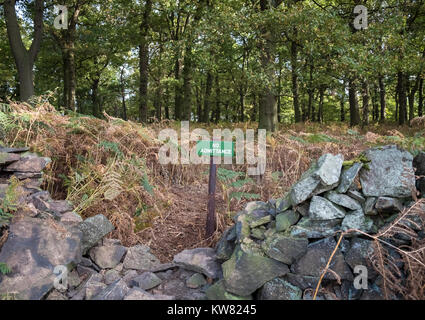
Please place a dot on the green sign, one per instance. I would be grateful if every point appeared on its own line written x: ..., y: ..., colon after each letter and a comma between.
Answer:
x: 215, y: 148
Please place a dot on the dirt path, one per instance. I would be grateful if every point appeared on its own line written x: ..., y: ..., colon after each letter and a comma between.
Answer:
x: 184, y: 228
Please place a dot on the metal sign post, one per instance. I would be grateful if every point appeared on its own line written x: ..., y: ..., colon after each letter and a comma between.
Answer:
x: 213, y: 149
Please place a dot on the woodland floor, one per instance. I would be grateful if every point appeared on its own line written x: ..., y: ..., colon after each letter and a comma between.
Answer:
x: 182, y: 226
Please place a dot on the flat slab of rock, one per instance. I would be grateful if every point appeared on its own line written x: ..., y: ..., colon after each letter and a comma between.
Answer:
x: 146, y: 281
x: 316, y: 258
x: 348, y: 176
x: 388, y: 205
x: 139, y: 257
x: 32, y: 251
x: 323, y: 209
x: 14, y: 150
x: 390, y: 173
x: 218, y: 292
x: 245, y: 272
x: 201, y: 260
x: 115, y: 291
x: 7, y: 158
x: 139, y: 294
x: 285, y: 248
x: 29, y: 163
x: 94, y: 229
x: 107, y: 256
x: 196, y: 281
x: 343, y: 200
x: 286, y: 219
x: 279, y: 289
x: 360, y: 253
x: 315, y: 229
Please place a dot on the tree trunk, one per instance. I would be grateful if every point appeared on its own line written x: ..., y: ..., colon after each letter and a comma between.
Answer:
x: 310, y: 91
x: 267, y: 100
x: 342, y: 105
x: 421, y: 99
x: 24, y: 59
x: 187, y: 84
x: 354, y: 108
x: 144, y: 62
x: 124, y: 107
x: 217, y: 113
x: 402, y: 99
x: 365, y: 103
x: 207, y: 98
x: 294, y: 77
x: 320, y: 111
x: 382, y: 96
x: 375, y: 103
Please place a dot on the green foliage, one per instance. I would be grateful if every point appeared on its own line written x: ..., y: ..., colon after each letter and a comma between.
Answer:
x: 226, y: 175
x: 244, y: 195
x: 315, y: 138
x: 112, y: 147
x: 4, y: 269
x: 10, y: 201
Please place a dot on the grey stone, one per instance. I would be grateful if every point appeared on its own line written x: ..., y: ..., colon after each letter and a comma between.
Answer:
x: 356, y: 220
x: 279, y: 289
x: 111, y: 276
x: 178, y: 289
x: 419, y: 165
x: 93, y: 289
x: 343, y: 200
x: 316, y: 258
x: 323, y: 209
x: 391, y: 173
x: 348, y: 176
x: 28, y: 163
x: 94, y: 229
x: 369, y: 206
x: 282, y: 204
x: 115, y: 291
x: 257, y: 233
x: 109, y: 256
x: 388, y: 205
x: 242, y: 228
x: 304, y: 188
x: 303, y: 208
x: 359, y: 254
x: 286, y: 219
x: 163, y: 267
x: 329, y: 169
x: 14, y: 150
x: 261, y: 221
x: 202, y: 260
x: 302, y: 282
x: 285, y: 248
x: 356, y: 195
x: 146, y: 281
x: 56, y: 295
x: 196, y: 281
x: 71, y: 218
x: 7, y: 158
x: 218, y: 292
x: 139, y: 257
x: 247, y: 271
x: 74, y: 279
x: 129, y: 275
x: 32, y: 251
x: 314, y: 229
x: 224, y: 247
x: 139, y: 294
